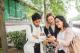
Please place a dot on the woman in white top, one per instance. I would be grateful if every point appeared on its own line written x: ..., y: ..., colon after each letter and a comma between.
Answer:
x: 64, y: 37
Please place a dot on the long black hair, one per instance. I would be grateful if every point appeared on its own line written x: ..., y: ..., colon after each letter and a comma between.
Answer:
x: 65, y: 24
x: 56, y: 31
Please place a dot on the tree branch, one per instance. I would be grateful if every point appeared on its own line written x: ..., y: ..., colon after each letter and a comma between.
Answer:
x: 31, y: 6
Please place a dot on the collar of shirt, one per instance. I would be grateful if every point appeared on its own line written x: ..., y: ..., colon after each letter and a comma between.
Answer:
x: 36, y: 30
x: 53, y: 27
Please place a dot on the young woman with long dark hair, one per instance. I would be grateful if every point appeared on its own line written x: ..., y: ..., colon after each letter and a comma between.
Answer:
x: 64, y: 37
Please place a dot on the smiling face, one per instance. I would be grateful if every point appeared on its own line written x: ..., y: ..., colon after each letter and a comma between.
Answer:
x: 59, y: 23
x: 50, y: 19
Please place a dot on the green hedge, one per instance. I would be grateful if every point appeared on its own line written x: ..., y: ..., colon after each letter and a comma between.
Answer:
x: 18, y: 38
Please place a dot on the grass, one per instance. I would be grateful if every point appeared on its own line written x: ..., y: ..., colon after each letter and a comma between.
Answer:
x: 1, y: 51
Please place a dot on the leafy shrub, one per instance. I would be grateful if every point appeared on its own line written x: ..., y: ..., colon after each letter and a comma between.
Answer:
x: 18, y: 38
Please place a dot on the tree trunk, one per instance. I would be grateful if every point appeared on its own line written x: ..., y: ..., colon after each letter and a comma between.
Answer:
x: 2, y: 28
x: 45, y: 10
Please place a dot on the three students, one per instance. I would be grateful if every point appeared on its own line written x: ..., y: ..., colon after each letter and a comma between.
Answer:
x: 58, y: 35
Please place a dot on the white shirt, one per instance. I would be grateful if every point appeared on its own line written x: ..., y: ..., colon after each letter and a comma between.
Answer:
x: 60, y: 37
x: 36, y: 32
x: 29, y: 46
x: 53, y: 27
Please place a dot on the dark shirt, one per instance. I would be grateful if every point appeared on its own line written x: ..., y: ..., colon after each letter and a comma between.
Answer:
x: 53, y: 33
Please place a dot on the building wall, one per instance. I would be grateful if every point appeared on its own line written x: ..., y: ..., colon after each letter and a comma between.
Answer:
x: 14, y: 10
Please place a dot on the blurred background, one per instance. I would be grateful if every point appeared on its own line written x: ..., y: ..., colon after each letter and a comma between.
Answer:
x: 17, y: 15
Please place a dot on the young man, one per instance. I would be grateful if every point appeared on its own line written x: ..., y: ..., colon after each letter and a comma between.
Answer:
x: 34, y: 33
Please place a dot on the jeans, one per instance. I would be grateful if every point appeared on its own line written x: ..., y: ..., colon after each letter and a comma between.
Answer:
x: 37, y: 48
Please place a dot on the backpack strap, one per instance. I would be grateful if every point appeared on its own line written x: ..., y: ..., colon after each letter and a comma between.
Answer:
x: 41, y: 28
x: 31, y: 28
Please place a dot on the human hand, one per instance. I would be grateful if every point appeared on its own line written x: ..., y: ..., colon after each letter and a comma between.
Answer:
x: 49, y: 35
x: 51, y: 39
x: 45, y: 42
x: 35, y: 37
